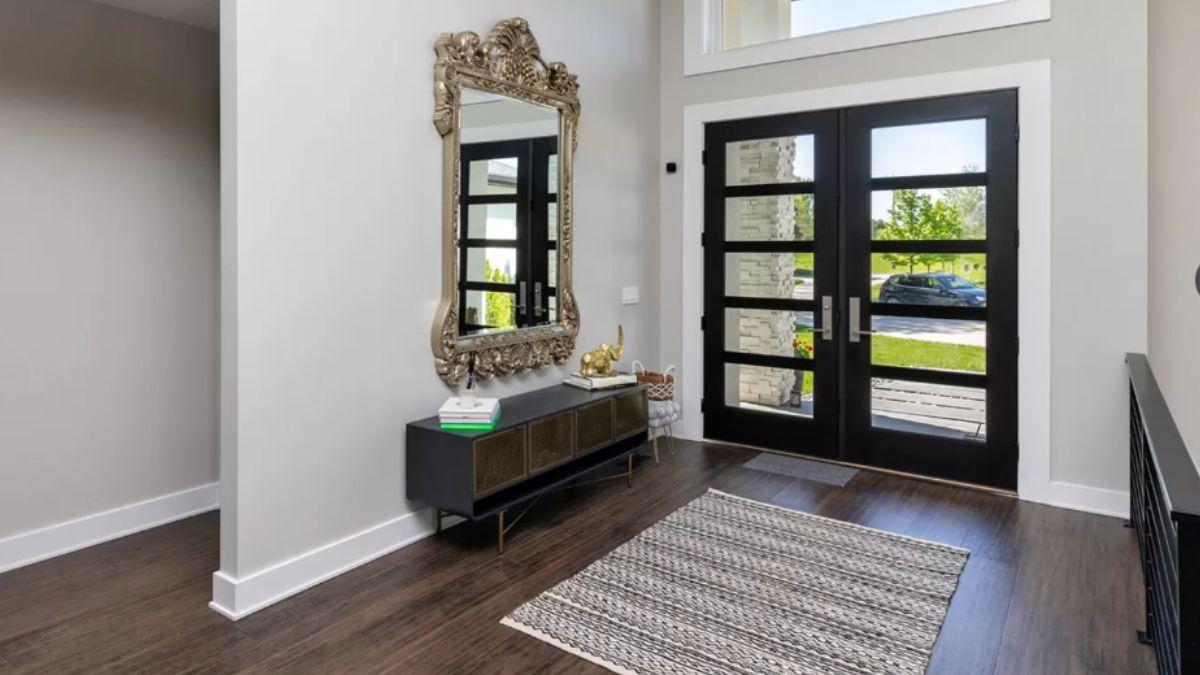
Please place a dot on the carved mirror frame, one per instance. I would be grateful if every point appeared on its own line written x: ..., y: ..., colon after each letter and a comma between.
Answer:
x: 508, y: 63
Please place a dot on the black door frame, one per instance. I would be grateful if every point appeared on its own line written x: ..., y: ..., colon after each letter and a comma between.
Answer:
x: 991, y: 462
x: 841, y: 427
x: 819, y: 433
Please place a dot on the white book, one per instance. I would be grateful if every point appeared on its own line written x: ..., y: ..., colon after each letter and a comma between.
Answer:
x: 484, y: 407
x: 469, y: 419
x: 607, y: 382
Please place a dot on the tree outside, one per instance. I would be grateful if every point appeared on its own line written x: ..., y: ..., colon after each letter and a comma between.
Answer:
x: 498, y: 306
x: 917, y: 216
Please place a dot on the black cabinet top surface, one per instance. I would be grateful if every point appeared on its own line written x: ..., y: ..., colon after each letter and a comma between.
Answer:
x: 524, y: 408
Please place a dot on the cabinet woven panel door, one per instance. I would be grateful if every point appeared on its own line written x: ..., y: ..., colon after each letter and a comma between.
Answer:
x: 629, y: 413
x: 551, y: 441
x: 593, y: 426
x: 499, y: 459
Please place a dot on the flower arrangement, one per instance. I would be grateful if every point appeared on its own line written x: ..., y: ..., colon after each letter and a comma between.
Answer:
x: 802, y: 349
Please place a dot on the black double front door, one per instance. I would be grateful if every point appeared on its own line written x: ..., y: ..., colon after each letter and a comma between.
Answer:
x: 861, y: 285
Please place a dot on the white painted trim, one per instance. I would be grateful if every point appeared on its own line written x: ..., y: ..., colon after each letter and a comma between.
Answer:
x: 1100, y: 501
x: 1032, y: 79
x: 237, y: 598
x: 41, y: 544
x: 702, y: 53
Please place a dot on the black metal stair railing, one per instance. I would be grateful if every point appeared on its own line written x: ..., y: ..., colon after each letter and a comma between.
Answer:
x: 1165, y: 512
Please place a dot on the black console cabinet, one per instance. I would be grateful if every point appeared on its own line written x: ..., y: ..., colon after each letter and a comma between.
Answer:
x: 543, y: 440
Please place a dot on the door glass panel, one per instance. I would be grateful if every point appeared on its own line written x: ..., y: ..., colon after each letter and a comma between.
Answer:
x: 787, y: 276
x: 774, y: 390
x: 493, y: 177
x: 552, y: 220
x: 552, y: 174
x: 492, y: 309
x: 493, y: 265
x: 927, y: 149
x: 769, y: 332
x: 935, y: 279
x: 766, y: 161
x: 772, y: 218
x: 492, y: 221
x: 923, y: 342
x: 552, y: 268
x: 935, y: 409
x: 929, y: 215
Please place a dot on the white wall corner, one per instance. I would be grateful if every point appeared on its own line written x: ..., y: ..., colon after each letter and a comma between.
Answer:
x: 55, y: 540
x: 236, y: 598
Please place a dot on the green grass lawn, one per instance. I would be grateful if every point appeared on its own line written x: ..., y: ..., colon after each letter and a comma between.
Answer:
x: 887, y: 350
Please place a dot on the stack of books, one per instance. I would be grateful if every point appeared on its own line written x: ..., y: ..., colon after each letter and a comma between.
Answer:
x: 599, y: 383
x: 480, y: 414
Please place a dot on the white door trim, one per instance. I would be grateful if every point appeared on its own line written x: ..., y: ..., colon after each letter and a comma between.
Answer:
x: 1032, y: 80
x: 702, y: 34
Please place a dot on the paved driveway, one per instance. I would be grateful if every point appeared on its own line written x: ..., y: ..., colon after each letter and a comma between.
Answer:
x: 973, y: 333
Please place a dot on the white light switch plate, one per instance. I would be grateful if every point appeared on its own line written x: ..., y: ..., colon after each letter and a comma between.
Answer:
x: 629, y: 295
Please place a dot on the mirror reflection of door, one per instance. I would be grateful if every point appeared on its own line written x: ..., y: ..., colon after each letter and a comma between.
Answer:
x: 508, y: 227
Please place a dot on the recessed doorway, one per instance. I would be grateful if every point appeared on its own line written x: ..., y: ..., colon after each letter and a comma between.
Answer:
x: 861, y: 285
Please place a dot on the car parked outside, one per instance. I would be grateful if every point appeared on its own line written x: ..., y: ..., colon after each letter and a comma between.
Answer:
x: 931, y: 289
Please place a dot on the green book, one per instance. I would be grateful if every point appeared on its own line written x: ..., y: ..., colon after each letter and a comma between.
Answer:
x: 462, y: 426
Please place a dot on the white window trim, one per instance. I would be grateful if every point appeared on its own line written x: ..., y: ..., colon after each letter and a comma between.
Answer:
x: 702, y: 32
x: 1032, y: 80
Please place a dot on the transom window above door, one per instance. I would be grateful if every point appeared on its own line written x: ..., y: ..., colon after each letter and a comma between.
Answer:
x: 728, y: 34
x: 750, y: 22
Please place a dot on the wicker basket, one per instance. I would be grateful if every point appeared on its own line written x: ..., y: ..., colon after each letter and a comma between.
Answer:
x: 659, y: 386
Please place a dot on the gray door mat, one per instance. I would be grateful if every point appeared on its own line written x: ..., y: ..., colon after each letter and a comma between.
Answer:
x: 795, y: 467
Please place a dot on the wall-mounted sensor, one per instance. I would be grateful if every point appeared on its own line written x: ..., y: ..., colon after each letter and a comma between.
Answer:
x: 1198, y: 279
x: 672, y: 167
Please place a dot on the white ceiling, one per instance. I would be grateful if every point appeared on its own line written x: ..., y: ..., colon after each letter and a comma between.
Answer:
x: 200, y: 13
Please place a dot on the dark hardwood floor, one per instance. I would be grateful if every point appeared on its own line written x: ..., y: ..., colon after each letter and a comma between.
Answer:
x: 1045, y: 590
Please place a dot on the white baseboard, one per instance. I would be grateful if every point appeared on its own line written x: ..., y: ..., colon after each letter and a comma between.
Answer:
x: 1101, y: 501
x: 38, y: 545
x: 236, y: 598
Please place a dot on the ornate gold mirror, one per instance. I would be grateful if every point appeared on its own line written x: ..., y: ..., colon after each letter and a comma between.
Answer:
x: 507, y: 120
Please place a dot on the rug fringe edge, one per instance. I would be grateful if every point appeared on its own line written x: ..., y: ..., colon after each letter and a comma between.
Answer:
x: 548, y: 639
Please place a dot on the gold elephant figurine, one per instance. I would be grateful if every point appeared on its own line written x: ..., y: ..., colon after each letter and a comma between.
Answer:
x: 598, y: 362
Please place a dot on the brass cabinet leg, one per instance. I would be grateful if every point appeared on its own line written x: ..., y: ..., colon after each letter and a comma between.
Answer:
x: 500, y: 534
x: 654, y: 443
x: 629, y: 470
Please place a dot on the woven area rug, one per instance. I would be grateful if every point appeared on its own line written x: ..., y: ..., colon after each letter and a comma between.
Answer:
x: 730, y: 585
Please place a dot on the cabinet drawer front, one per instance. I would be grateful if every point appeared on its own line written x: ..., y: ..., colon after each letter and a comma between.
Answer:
x: 593, y: 426
x: 551, y: 441
x: 499, y: 459
x: 629, y: 413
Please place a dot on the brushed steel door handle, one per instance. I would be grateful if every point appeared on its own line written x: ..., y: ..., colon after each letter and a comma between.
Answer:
x: 856, y: 330
x: 826, y: 329
x: 537, y: 299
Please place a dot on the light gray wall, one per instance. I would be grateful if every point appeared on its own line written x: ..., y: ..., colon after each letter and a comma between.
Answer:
x: 337, y: 229
x: 1174, y: 221
x: 108, y: 260
x: 1098, y: 50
